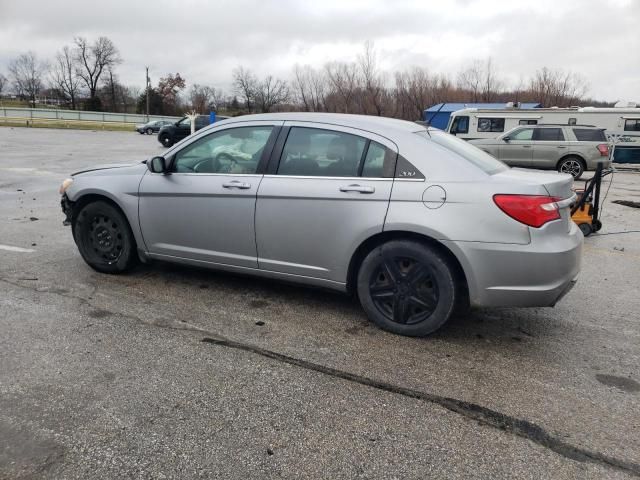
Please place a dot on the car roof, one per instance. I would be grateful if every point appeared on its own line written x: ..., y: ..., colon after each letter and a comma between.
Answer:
x: 364, y: 122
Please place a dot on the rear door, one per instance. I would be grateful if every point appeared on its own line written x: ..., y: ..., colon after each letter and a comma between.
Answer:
x: 326, y: 190
x: 518, y: 150
x: 549, y: 146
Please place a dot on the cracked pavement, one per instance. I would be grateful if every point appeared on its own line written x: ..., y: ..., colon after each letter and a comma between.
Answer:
x: 109, y: 377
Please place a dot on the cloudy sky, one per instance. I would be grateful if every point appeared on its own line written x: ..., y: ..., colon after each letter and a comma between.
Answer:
x: 205, y: 40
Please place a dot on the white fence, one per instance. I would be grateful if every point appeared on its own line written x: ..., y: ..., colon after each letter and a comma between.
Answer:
x: 53, y: 114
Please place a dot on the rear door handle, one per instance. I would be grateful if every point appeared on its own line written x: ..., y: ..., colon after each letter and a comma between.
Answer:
x: 237, y: 184
x: 357, y: 188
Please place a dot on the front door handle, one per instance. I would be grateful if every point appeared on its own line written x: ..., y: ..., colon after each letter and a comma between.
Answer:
x: 357, y: 188
x: 237, y: 184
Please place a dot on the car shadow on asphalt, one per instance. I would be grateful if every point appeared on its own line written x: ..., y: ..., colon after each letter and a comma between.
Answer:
x: 508, y: 326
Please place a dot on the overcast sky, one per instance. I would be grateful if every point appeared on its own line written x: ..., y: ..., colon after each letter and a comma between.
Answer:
x: 205, y: 40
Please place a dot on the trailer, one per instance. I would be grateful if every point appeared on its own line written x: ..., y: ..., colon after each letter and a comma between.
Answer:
x: 621, y: 125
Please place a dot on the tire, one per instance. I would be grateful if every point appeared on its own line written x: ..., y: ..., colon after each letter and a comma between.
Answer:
x: 407, y: 287
x: 149, y: 131
x: 586, y: 229
x: 596, y: 225
x: 104, y: 238
x: 571, y: 165
x: 166, y: 141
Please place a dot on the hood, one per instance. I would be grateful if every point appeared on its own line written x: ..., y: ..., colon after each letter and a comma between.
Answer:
x: 105, y: 167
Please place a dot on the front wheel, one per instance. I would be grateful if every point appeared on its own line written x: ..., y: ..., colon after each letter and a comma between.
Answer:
x: 149, y: 131
x: 572, y: 166
x: 104, y: 238
x: 407, y: 287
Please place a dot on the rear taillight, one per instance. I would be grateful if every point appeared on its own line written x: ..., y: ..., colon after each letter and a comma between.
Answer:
x: 532, y: 210
x: 603, y: 148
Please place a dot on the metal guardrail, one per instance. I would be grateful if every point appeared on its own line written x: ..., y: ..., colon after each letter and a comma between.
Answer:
x: 79, y: 115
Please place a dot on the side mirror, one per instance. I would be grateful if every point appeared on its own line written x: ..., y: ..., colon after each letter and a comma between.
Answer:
x: 506, y: 139
x: 157, y: 165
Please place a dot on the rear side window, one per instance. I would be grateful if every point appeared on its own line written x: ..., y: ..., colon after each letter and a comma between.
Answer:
x: 589, y: 135
x: 460, y: 125
x: 474, y: 155
x: 632, y: 125
x: 491, y: 124
x: 315, y: 152
x: 548, y: 134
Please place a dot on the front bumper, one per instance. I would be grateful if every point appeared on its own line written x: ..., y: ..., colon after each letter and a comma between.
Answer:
x: 535, y: 275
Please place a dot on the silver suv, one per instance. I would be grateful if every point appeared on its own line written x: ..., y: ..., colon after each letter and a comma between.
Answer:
x: 566, y: 148
x: 413, y: 221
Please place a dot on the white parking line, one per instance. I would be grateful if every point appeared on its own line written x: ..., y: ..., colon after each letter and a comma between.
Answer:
x: 16, y: 249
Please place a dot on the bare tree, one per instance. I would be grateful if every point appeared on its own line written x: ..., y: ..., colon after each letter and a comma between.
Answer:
x: 26, y: 72
x: 64, y: 78
x: 557, y: 88
x: 3, y: 82
x: 480, y: 80
x: 270, y: 92
x: 343, y: 80
x: 245, y: 85
x: 373, y: 83
x: 309, y: 88
x: 92, y: 60
x: 204, y: 98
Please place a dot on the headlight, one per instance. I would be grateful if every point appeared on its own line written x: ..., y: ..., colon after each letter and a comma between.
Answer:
x: 65, y: 185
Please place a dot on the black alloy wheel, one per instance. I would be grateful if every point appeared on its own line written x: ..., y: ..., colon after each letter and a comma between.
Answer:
x: 407, y: 287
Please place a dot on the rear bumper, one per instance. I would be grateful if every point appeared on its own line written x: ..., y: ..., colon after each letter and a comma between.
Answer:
x: 535, y: 275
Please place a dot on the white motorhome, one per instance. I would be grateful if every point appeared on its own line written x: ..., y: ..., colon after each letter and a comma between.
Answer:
x: 622, y: 125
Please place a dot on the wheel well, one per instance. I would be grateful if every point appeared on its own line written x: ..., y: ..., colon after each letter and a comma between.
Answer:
x: 572, y: 155
x: 383, y: 237
x: 94, y: 197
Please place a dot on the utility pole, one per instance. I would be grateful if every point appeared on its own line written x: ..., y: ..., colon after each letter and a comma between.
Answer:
x: 148, y: 83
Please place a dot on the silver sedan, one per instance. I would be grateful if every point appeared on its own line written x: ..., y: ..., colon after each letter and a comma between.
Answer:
x: 414, y: 221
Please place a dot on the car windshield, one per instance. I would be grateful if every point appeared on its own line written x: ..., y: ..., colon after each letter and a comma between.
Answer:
x: 472, y: 154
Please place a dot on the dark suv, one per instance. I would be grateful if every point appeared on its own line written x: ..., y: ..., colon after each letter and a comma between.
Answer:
x: 173, y: 133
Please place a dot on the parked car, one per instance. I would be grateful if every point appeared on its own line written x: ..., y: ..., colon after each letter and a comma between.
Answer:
x: 174, y: 132
x: 566, y: 148
x: 413, y: 220
x: 153, y: 126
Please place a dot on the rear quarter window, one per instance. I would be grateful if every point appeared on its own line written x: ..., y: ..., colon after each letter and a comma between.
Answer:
x: 470, y: 153
x: 589, y: 135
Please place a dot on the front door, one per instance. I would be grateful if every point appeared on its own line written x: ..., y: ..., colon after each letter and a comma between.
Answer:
x: 204, y: 208
x: 518, y: 150
x: 327, y: 189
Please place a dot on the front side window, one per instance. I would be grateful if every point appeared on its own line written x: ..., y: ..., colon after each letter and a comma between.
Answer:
x: 632, y: 125
x: 548, y: 134
x: 491, y: 124
x: 460, y: 125
x: 321, y: 153
x: 234, y: 151
x: 522, y: 134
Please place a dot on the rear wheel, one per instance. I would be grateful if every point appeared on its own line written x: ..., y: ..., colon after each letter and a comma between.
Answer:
x: 407, y: 287
x: 104, y: 238
x: 572, y: 166
x: 166, y: 140
x: 149, y: 131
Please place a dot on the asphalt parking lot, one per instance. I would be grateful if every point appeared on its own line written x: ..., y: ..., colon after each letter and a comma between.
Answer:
x: 171, y: 372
